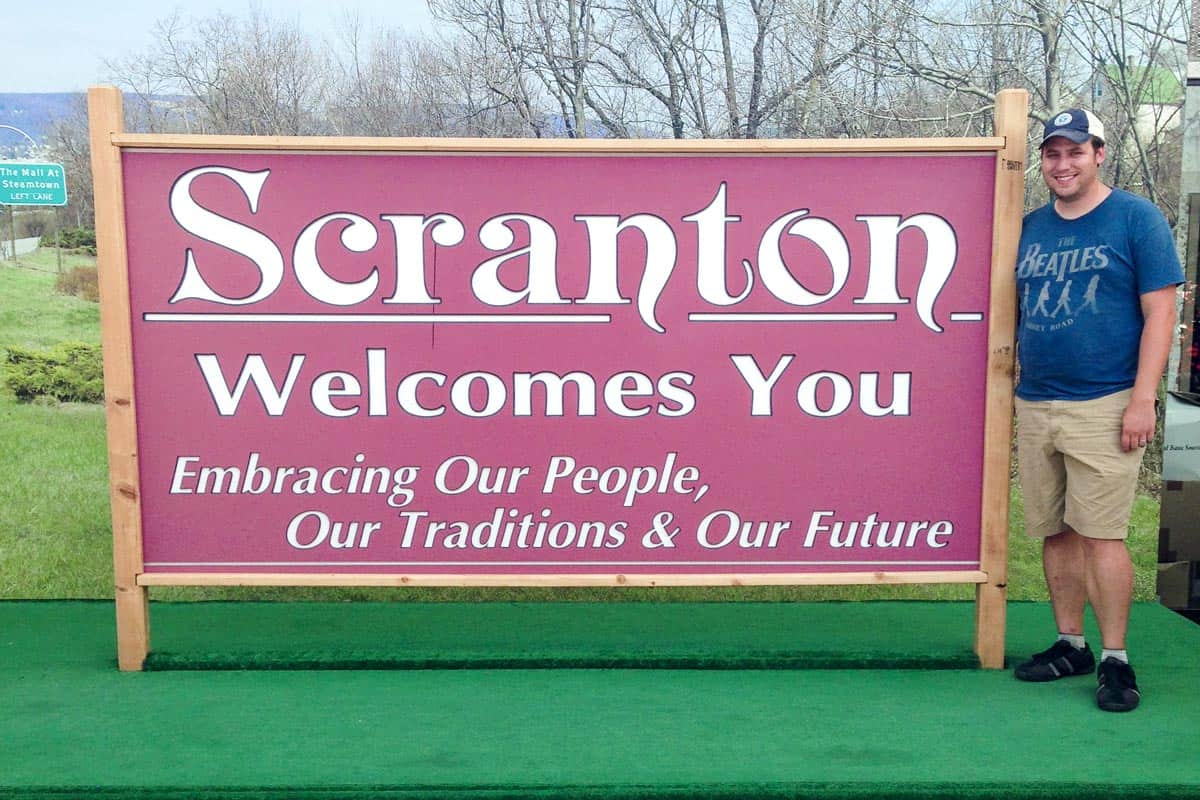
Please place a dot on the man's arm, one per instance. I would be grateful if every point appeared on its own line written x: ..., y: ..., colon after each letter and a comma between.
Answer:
x: 1158, y: 334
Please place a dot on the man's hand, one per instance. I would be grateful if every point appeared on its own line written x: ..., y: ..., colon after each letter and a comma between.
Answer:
x: 1158, y: 333
x: 1137, y: 424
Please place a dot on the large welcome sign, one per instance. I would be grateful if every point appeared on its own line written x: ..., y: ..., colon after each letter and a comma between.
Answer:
x: 390, y: 361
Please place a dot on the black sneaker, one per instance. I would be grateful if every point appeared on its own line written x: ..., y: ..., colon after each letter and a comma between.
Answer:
x: 1060, y: 661
x: 1118, y: 686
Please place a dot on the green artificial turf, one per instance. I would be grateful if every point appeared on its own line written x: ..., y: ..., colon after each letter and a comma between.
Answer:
x: 71, y: 726
x: 919, y: 635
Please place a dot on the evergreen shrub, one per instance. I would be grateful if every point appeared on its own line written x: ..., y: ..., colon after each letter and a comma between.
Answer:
x: 81, y: 239
x: 71, y: 372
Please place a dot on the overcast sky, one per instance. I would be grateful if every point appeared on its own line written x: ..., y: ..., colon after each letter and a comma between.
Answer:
x: 60, y: 45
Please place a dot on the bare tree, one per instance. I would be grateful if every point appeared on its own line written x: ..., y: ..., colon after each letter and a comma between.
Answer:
x: 681, y: 68
x: 545, y: 48
x: 256, y: 75
x: 971, y: 49
x: 376, y: 89
x: 1120, y: 56
x: 1139, y: 50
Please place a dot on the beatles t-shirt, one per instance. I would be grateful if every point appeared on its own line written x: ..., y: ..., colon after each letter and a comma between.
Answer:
x: 1079, y: 284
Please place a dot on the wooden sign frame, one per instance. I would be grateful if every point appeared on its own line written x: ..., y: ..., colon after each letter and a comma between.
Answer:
x: 108, y: 140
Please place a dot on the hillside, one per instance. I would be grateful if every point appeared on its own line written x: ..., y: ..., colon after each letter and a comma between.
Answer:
x: 35, y: 114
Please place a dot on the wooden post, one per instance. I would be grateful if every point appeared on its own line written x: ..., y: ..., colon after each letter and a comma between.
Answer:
x: 106, y: 118
x: 12, y: 234
x: 1012, y: 108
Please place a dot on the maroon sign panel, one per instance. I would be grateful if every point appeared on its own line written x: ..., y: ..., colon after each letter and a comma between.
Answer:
x: 559, y: 364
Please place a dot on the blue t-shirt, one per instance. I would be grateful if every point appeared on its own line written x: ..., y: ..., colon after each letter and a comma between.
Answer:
x: 1079, y: 283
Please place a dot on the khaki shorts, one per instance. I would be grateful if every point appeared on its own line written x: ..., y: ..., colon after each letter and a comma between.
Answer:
x: 1073, y: 470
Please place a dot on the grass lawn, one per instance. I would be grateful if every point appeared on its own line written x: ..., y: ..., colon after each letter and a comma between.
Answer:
x: 55, y: 535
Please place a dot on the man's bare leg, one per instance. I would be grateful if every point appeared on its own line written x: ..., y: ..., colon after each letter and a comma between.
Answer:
x: 1063, y: 557
x: 1064, y: 563
x: 1110, y: 590
x: 1110, y: 587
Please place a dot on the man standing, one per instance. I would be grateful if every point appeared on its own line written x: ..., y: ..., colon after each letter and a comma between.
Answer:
x: 1087, y: 390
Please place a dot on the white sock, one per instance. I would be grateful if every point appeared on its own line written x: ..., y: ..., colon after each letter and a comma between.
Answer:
x: 1076, y: 640
x: 1119, y: 655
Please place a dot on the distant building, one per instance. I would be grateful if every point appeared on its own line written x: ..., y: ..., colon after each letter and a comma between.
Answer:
x: 1156, y: 93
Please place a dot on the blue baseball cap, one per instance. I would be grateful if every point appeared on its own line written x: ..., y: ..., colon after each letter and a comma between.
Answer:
x: 1075, y: 124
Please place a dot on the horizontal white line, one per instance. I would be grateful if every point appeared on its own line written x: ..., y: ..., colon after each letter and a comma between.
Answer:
x: 383, y: 318
x: 466, y: 319
x: 555, y: 563
x: 794, y: 317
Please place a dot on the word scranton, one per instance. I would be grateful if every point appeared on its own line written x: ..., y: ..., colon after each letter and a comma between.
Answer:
x: 410, y: 232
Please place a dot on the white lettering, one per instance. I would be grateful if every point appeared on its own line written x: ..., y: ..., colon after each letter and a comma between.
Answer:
x: 357, y: 237
x: 254, y: 371
x: 541, y: 285
x: 211, y: 227
x: 661, y: 251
